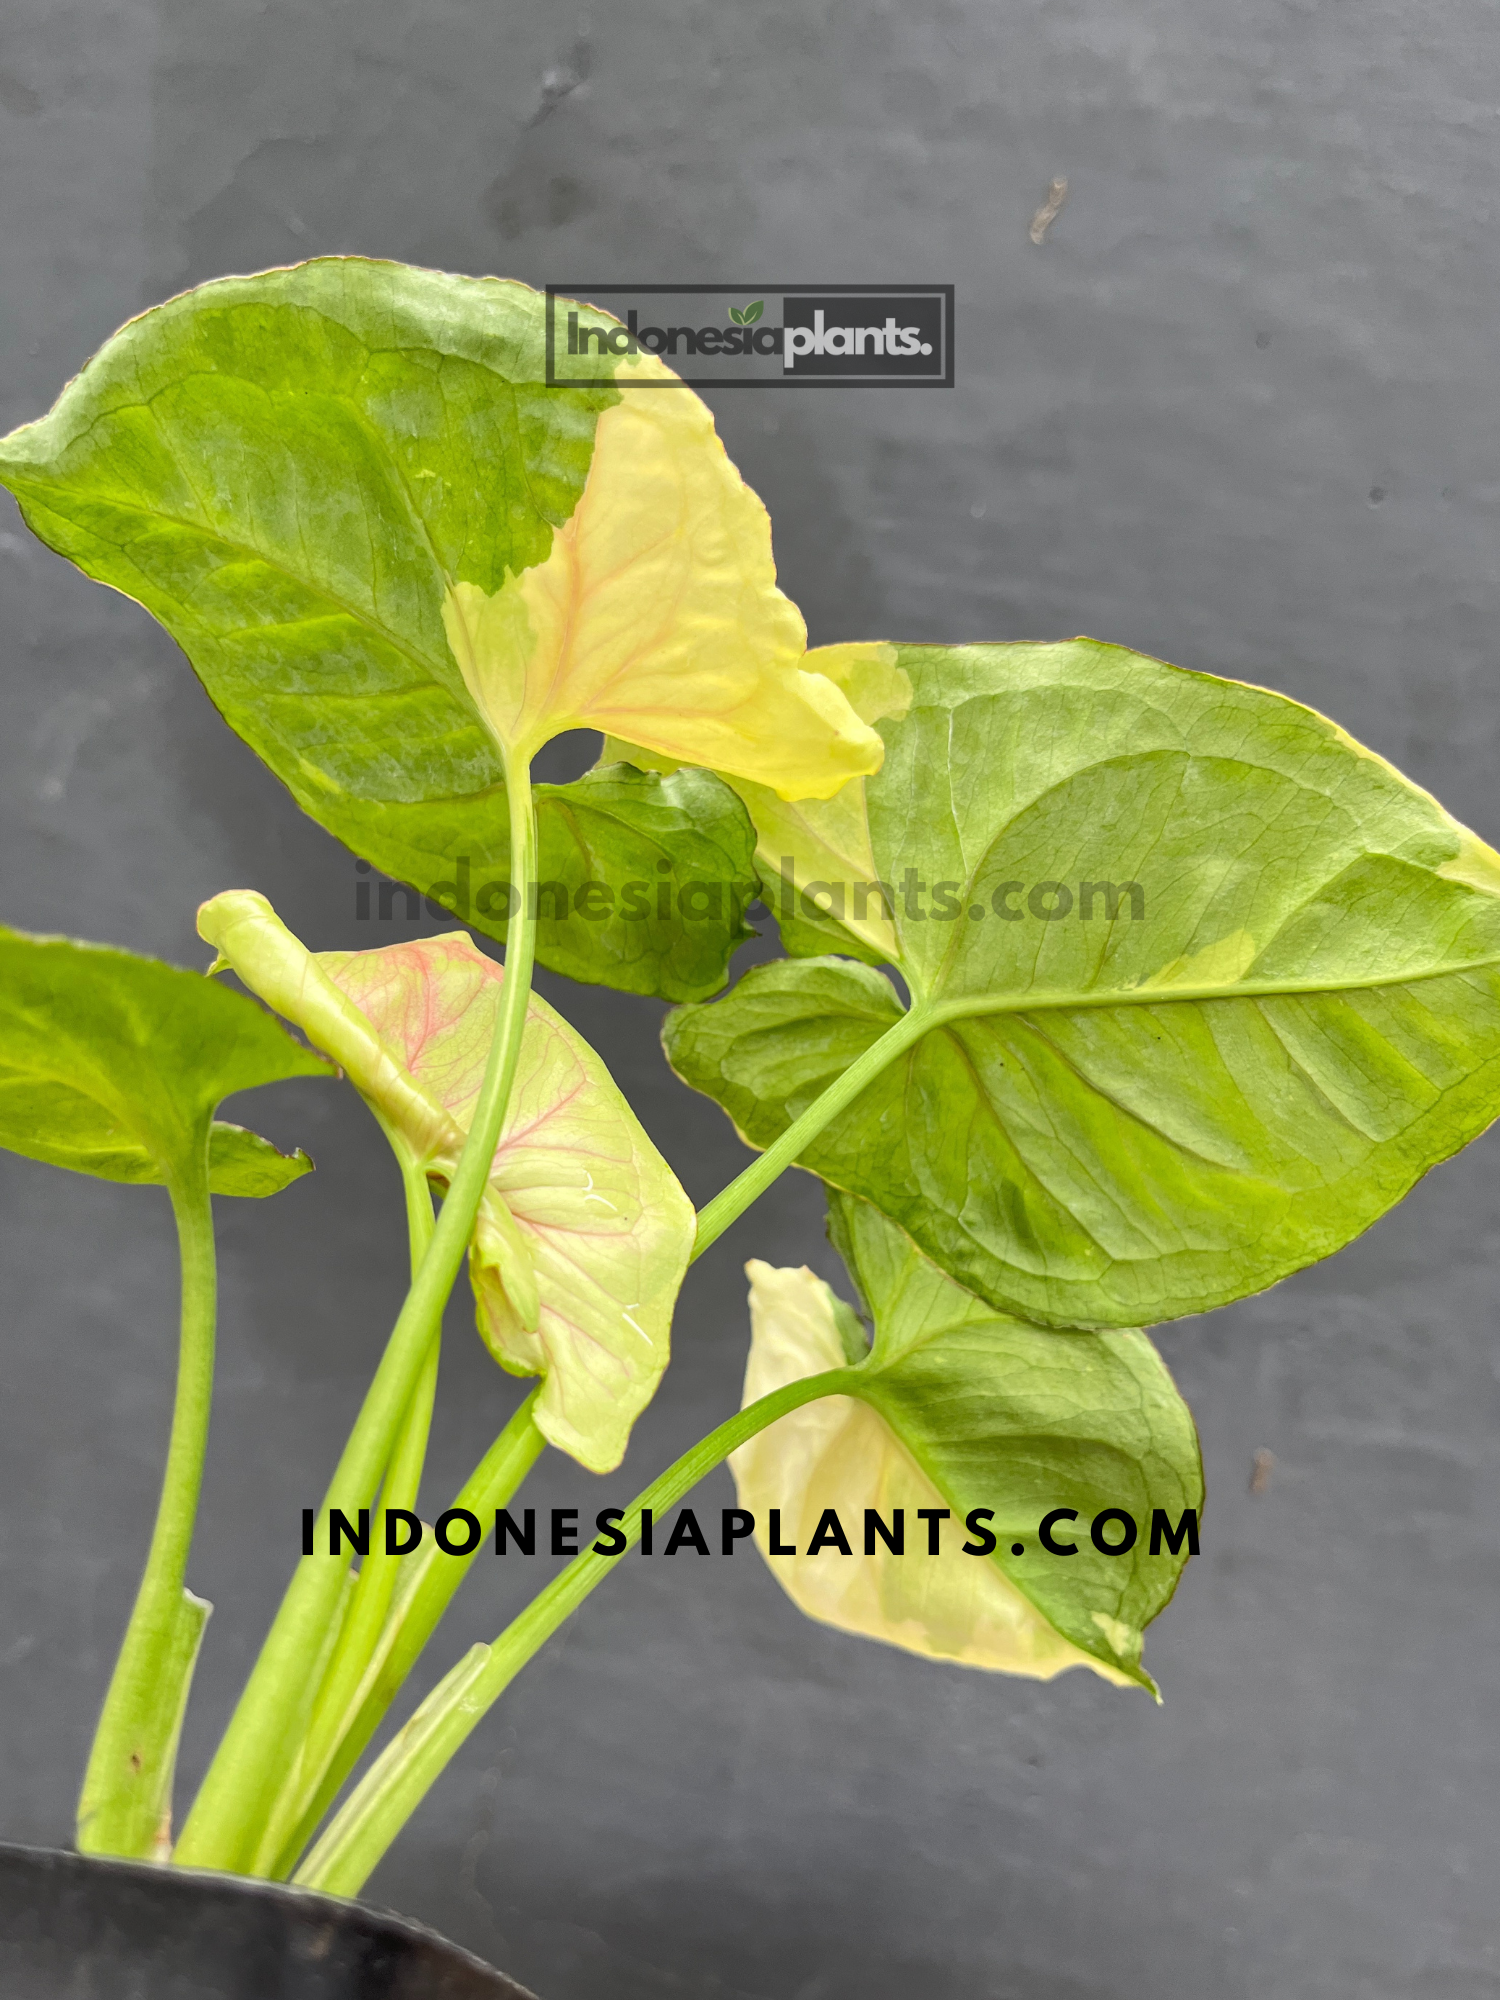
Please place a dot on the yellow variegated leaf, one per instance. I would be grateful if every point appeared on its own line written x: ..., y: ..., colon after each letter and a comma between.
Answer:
x: 656, y: 618
x: 840, y: 1453
x: 817, y: 850
x: 583, y: 1233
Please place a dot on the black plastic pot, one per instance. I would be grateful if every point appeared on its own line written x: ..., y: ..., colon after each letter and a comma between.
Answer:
x: 75, y: 1928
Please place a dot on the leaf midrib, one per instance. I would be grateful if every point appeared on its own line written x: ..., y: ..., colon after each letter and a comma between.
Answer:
x: 926, y: 1016
x: 938, y: 1013
x: 1024, y: 1583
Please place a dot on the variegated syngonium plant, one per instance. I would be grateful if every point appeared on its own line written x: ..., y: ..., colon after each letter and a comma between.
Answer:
x: 1113, y: 993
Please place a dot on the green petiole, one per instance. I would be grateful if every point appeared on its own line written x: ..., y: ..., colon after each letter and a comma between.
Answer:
x: 382, y: 1635
x: 230, y: 1816
x: 731, y: 1202
x: 370, y: 1604
x: 428, y: 1585
x: 440, y: 1579
x: 401, y: 1776
x: 126, y: 1804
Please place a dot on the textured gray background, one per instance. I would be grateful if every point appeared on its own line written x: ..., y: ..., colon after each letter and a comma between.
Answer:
x: 1237, y: 411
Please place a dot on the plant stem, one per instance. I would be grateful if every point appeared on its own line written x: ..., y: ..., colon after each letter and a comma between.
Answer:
x: 401, y: 1485
x: 230, y: 1814
x: 439, y: 1581
x: 415, y: 1616
x: 126, y: 1804
x: 401, y: 1776
x: 361, y: 1629
x: 731, y: 1202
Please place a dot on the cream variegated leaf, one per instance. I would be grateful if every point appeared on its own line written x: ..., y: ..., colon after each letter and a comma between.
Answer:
x: 840, y: 1453
x: 655, y: 617
x: 583, y: 1233
x: 956, y: 1406
x: 394, y: 553
x: 816, y: 864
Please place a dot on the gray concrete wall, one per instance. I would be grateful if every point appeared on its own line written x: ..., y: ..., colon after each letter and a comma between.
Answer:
x: 1238, y: 411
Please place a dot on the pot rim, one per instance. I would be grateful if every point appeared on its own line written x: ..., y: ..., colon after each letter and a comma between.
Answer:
x: 338, y: 1909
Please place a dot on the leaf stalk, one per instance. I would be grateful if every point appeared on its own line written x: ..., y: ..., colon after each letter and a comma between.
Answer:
x: 125, y: 1807
x: 402, y: 1775
x: 731, y: 1202
x: 230, y: 1816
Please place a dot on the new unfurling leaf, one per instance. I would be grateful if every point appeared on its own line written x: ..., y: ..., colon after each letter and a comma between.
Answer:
x: 583, y: 1233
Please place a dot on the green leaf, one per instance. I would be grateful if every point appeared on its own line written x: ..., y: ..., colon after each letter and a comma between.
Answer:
x: 241, y: 1162
x: 289, y: 471
x: 752, y: 312
x: 958, y: 1407
x: 1281, y: 1007
x: 112, y: 1065
x: 736, y: 315
x: 583, y: 1233
x: 645, y: 878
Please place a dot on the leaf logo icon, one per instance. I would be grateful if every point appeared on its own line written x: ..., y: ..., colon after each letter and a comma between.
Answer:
x: 747, y: 315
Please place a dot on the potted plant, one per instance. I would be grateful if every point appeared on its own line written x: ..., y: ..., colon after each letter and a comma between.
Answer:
x: 1111, y: 993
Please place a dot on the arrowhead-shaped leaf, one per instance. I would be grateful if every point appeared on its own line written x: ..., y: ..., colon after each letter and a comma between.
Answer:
x: 1208, y: 984
x: 111, y: 1064
x: 388, y: 548
x: 583, y: 1233
x: 959, y: 1408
